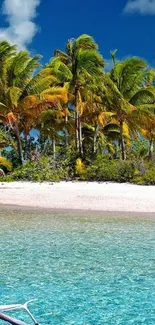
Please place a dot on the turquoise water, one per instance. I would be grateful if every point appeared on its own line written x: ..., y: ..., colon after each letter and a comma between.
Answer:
x: 83, y: 270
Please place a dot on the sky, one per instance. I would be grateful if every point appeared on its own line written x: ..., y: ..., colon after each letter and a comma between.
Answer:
x: 41, y: 26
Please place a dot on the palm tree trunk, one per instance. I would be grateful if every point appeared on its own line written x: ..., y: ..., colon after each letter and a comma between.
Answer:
x: 95, y: 138
x: 80, y: 137
x: 53, y: 147
x: 26, y: 147
x: 122, y: 142
x: 77, y: 131
x: 116, y: 155
x: 151, y: 148
x: 65, y: 131
x: 19, y: 143
x: 77, y: 123
x: 78, y: 126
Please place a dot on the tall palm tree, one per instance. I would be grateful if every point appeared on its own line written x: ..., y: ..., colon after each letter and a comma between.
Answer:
x: 129, y: 93
x: 24, y: 95
x: 81, y: 66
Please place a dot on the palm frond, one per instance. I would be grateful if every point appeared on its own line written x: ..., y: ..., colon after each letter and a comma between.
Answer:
x: 143, y: 96
x: 12, y: 97
x: 60, y: 70
x: 85, y: 42
x: 43, y: 80
x: 59, y: 93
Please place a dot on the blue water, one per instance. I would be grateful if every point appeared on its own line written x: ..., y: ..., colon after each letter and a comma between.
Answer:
x: 83, y: 270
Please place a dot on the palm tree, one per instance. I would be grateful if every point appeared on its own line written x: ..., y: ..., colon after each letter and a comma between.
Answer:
x: 128, y: 92
x: 95, y: 117
x: 24, y: 96
x: 81, y: 66
x: 50, y: 123
x: 148, y: 132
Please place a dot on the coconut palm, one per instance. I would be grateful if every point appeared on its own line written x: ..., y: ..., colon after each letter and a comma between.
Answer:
x: 94, y: 118
x: 129, y: 93
x: 50, y: 124
x: 24, y: 95
x: 81, y: 66
x: 149, y: 134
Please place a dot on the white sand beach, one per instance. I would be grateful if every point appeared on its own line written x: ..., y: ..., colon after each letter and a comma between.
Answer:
x: 80, y: 196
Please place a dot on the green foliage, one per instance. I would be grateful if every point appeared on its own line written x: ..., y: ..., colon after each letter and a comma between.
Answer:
x: 105, y: 169
x: 60, y: 70
x: 44, y: 169
x: 149, y: 177
x: 125, y: 171
x: 101, y: 169
x: 139, y: 148
x: 12, y: 156
x: 128, y: 75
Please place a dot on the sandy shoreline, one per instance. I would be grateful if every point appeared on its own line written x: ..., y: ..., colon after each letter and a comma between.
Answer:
x: 101, y: 197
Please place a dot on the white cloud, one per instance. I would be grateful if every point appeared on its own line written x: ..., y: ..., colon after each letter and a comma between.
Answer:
x: 143, y: 7
x: 19, y: 15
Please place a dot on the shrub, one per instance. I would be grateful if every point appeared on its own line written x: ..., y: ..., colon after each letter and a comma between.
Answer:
x: 125, y: 171
x: 105, y: 169
x: 149, y: 177
x: 12, y: 156
x: 45, y: 169
x: 102, y: 169
x: 138, y: 180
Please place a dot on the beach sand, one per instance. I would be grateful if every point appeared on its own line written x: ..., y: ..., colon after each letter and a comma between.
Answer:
x: 88, y: 196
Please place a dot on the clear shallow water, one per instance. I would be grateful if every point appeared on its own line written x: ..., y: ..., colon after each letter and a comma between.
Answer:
x: 83, y: 270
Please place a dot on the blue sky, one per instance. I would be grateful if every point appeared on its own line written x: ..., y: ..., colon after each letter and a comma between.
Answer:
x: 44, y: 25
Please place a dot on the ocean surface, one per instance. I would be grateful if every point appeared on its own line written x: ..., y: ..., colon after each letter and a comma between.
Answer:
x: 81, y: 269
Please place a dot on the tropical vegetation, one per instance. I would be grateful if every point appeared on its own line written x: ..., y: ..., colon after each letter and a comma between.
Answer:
x: 73, y: 119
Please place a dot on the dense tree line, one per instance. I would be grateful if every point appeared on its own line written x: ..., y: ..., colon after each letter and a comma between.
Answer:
x: 74, y: 105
